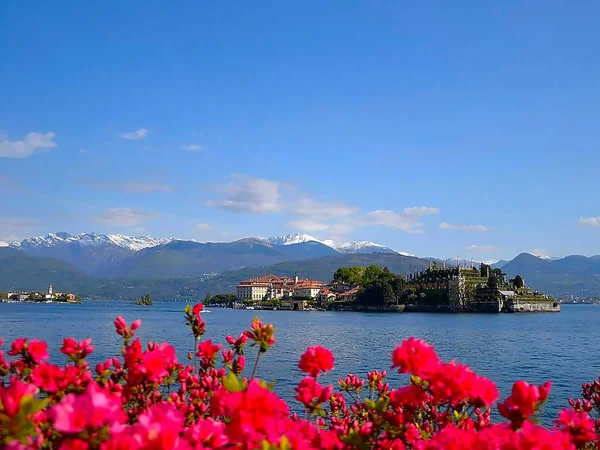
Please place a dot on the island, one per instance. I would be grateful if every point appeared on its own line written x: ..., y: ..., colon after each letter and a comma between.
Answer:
x: 435, y: 289
x: 50, y: 296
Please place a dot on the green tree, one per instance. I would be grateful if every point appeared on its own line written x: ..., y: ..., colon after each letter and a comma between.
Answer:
x: 519, y: 282
x: 146, y: 300
x: 207, y: 298
x: 350, y: 275
x: 372, y: 273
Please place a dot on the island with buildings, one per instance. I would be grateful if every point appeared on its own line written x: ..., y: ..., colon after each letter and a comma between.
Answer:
x: 49, y: 296
x: 435, y: 289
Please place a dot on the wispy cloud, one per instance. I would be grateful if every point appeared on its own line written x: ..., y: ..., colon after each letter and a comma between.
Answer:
x: 248, y: 194
x: 24, y: 148
x: 590, y: 221
x: 456, y: 227
x: 539, y: 252
x: 260, y: 195
x: 128, y: 186
x: 203, y: 226
x: 481, y: 248
x: 419, y: 211
x: 136, y: 135
x: 405, y: 220
x: 309, y: 207
x: 192, y: 148
x: 125, y: 217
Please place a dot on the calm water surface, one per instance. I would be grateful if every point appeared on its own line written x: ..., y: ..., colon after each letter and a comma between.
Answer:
x: 563, y: 347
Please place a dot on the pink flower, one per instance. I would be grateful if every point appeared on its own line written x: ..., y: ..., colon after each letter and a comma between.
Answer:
x: 37, y: 350
x: 415, y: 356
x: 47, y: 376
x: 523, y: 402
x: 207, y: 350
x: 12, y: 396
x: 208, y: 433
x: 91, y: 410
x: 311, y: 394
x: 77, y: 351
x: 198, y: 308
x: 160, y: 427
x: 154, y: 365
x: 316, y: 360
x: 579, y: 425
x: 261, y: 334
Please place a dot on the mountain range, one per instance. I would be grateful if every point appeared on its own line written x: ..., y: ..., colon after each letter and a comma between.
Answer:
x: 119, y: 266
x: 118, y: 255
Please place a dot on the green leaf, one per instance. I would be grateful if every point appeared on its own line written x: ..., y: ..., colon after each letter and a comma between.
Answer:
x: 233, y: 383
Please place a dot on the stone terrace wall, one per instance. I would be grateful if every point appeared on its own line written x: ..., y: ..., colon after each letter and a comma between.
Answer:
x: 532, y: 306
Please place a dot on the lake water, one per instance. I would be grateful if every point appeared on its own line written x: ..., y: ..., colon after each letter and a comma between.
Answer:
x: 563, y: 347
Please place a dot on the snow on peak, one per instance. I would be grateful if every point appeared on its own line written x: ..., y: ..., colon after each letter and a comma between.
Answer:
x: 136, y: 243
x: 91, y: 239
x: 366, y: 247
x: 289, y: 239
x: 3, y: 244
x: 348, y: 247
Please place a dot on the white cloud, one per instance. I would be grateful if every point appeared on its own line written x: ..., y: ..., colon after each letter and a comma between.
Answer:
x: 203, y: 226
x: 405, y: 220
x: 136, y: 135
x: 312, y: 208
x: 247, y: 194
x: 481, y: 248
x: 129, y: 186
x: 539, y: 252
x: 192, y: 148
x: 590, y: 221
x: 125, y: 217
x: 455, y: 227
x: 419, y: 211
x: 26, y: 147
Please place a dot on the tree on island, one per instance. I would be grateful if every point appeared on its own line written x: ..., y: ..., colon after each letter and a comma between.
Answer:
x: 146, y: 300
x: 382, y: 288
x: 519, y: 282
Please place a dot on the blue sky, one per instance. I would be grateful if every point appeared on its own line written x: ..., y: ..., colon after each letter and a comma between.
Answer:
x: 443, y: 129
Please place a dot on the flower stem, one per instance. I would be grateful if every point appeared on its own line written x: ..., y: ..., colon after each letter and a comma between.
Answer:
x: 195, y: 351
x: 255, y: 365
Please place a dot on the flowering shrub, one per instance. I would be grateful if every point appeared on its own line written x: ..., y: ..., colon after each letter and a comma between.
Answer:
x: 147, y: 399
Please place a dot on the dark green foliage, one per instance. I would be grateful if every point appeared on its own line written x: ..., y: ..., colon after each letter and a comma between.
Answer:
x: 519, y: 282
x: 349, y: 275
x: 492, y: 281
x: 381, y: 288
x: 146, y: 300
x: 219, y: 299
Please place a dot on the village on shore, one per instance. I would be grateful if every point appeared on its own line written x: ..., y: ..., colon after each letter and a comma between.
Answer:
x: 435, y: 289
x: 49, y: 296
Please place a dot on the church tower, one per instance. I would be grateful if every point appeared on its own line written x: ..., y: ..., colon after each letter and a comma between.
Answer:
x: 50, y: 290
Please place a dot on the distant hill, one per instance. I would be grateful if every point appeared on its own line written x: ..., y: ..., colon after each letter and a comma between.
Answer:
x: 92, y: 253
x: 20, y: 271
x: 181, y: 259
x: 573, y: 275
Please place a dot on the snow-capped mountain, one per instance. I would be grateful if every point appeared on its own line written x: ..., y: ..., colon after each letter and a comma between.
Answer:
x: 348, y: 247
x: 296, y: 238
x: 133, y: 243
x: 3, y: 244
x: 366, y: 247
